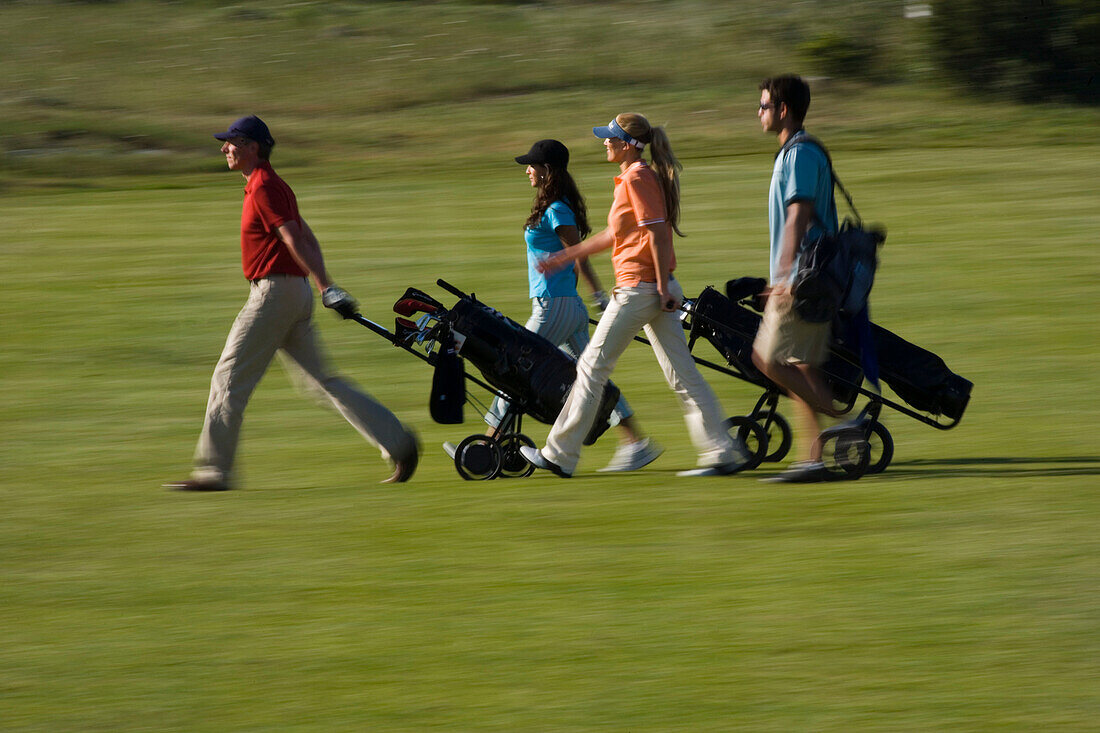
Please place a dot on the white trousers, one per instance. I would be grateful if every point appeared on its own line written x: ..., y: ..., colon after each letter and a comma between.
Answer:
x: 631, y: 310
x: 278, y: 318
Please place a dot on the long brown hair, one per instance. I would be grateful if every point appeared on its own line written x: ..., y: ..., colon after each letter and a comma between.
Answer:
x: 555, y: 184
x: 664, y: 162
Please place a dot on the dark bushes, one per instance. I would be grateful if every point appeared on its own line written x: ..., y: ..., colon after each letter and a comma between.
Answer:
x: 1029, y: 50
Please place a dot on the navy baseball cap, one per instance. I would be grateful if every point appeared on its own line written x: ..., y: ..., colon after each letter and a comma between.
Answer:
x: 546, y: 152
x: 614, y: 129
x: 251, y: 127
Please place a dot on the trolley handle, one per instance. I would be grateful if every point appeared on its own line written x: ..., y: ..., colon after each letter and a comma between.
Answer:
x: 451, y: 288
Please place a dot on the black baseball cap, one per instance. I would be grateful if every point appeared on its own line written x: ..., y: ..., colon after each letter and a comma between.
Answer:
x: 546, y: 152
x: 251, y: 127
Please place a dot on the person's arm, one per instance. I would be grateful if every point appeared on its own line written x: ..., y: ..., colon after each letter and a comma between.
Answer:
x: 799, y: 216
x: 306, y: 251
x: 596, y: 243
x: 303, y: 246
x: 660, y: 248
x: 570, y: 237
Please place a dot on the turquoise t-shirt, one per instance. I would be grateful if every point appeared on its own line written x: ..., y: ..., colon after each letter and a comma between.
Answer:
x: 801, y: 172
x: 543, y: 240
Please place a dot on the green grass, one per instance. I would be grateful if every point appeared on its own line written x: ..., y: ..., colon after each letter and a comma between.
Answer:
x: 956, y: 591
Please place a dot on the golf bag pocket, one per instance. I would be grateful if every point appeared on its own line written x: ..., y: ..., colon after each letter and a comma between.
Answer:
x: 448, y: 384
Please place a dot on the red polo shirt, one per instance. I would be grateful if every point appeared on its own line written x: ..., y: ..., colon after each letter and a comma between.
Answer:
x: 268, y: 204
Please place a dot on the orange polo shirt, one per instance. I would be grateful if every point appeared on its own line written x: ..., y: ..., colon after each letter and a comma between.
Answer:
x: 638, y: 202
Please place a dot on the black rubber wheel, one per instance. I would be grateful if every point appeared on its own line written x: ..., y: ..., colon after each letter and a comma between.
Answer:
x: 513, y: 464
x: 478, y: 458
x: 846, y: 453
x: 881, y: 448
x: 752, y: 435
x: 779, y: 435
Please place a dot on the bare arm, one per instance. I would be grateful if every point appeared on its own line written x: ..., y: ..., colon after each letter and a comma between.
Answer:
x: 306, y: 251
x: 660, y: 248
x: 570, y: 237
x: 799, y: 216
x: 596, y: 243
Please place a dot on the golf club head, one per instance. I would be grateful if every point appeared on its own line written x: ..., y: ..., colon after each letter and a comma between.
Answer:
x: 417, y: 294
x: 409, y: 306
x: 745, y: 287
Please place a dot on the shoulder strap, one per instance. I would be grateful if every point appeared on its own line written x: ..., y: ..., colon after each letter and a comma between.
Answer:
x: 803, y: 137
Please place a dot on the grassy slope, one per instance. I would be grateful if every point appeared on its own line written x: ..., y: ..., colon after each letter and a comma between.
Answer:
x: 956, y: 591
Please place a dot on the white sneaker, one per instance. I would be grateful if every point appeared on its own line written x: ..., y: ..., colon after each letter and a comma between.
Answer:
x: 632, y: 456
x: 800, y: 472
x: 722, y: 469
x: 450, y: 449
x: 535, y: 458
x: 718, y: 469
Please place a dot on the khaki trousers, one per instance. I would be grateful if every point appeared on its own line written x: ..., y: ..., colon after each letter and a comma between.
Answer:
x: 278, y: 318
x: 631, y: 310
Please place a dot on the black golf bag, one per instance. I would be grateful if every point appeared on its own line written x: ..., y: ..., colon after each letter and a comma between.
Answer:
x: 535, y: 374
x: 731, y: 329
x: 531, y: 374
x: 932, y: 393
x: 920, y: 377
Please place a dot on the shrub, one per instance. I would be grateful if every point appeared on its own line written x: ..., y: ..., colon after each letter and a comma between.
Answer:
x: 838, y: 54
x: 1021, y: 48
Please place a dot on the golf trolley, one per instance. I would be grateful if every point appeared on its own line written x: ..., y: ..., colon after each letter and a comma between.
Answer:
x: 520, y: 367
x: 934, y: 394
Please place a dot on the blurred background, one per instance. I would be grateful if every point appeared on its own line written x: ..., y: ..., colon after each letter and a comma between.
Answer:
x: 93, y: 89
x: 956, y: 591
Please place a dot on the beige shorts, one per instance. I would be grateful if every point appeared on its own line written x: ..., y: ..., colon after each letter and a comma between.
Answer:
x: 784, y: 338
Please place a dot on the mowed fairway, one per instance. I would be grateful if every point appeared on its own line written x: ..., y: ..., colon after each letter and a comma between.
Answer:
x: 957, y: 591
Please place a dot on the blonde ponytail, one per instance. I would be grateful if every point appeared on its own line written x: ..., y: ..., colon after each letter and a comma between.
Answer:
x: 664, y: 162
x: 667, y: 168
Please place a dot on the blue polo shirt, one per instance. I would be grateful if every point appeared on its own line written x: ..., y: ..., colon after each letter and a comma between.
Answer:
x: 543, y: 240
x: 801, y: 173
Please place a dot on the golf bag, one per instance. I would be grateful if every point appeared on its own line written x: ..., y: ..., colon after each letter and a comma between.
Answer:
x: 731, y: 329
x: 835, y: 270
x: 920, y: 377
x: 932, y: 393
x: 535, y: 374
x: 528, y: 372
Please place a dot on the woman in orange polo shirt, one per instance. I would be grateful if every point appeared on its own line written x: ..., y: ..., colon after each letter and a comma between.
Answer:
x: 644, y: 214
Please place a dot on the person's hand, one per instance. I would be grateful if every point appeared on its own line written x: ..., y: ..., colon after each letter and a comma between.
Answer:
x: 780, y: 292
x: 338, y: 300
x: 600, y: 300
x: 669, y: 303
x: 551, y: 263
x: 760, y: 301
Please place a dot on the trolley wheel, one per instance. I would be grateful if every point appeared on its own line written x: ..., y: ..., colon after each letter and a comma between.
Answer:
x: 779, y: 435
x: 846, y: 452
x: 881, y: 448
x: 753, y: 436
x: 513, y: 464
x: 478, y: 458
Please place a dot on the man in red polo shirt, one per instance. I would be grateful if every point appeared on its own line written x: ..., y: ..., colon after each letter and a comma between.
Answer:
x: 278, y: 252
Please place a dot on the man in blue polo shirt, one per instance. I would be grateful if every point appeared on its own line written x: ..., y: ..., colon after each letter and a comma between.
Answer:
x: 788, y: 349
